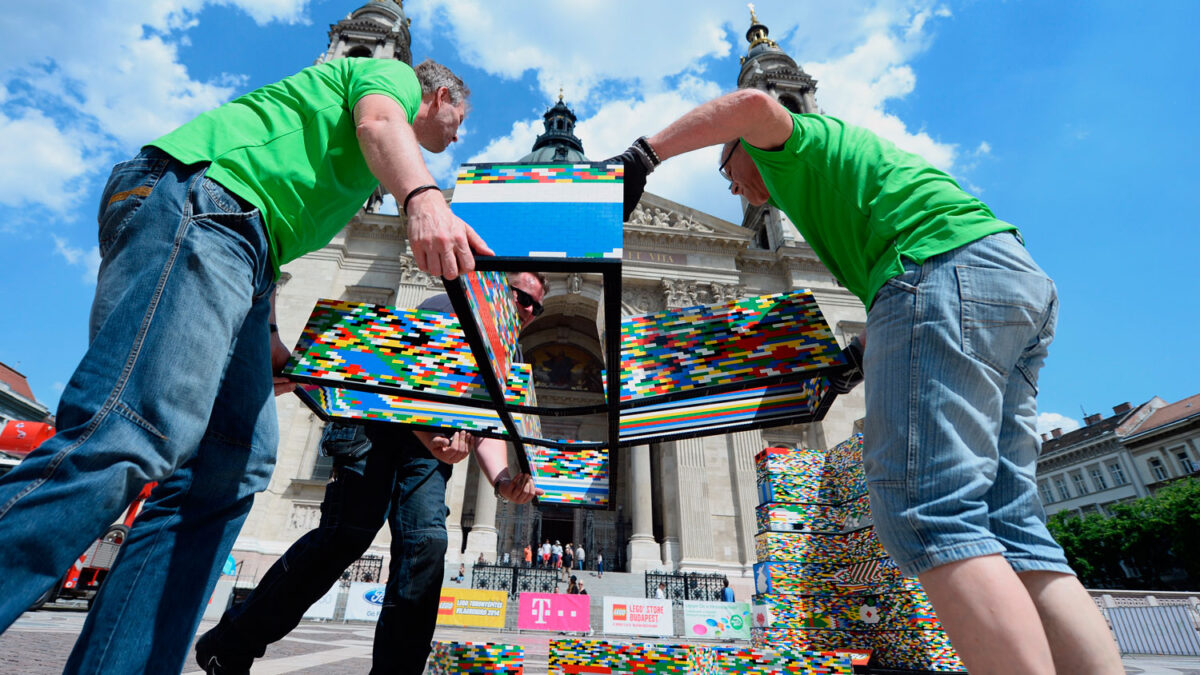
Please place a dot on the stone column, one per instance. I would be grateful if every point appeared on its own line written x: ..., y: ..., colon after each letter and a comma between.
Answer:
x: 483, y: 535
x: 643, y: 551
x: 695, y: 512
x: 456, y: 489
x: 742, y: 448
x: 671, y: 551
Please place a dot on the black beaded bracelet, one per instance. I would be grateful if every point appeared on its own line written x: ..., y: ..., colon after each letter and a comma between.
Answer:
x: 416, y: 191
x: 645, y: 145
x: 274, y: 328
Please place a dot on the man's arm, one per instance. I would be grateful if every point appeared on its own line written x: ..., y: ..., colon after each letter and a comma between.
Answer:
x: 492, y: 455
x: 747, y: 113
x: 441, y: 242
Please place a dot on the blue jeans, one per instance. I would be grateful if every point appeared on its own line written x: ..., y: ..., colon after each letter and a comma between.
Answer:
x: 175, y: 387
x: 397, y: 480
x: 954, y: 347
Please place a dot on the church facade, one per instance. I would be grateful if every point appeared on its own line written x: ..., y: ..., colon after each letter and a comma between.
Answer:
x: 684, y: 505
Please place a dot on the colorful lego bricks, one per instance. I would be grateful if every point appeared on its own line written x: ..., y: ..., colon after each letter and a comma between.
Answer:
x: 544, y: 211
x: 823, y: 581
x: 921, y: 650
x: 395, y: 351
x: 709, y: 414
x: 469, y: 658
x: 599, y: 656
x: 906, y: 610
x: 711, y: 346
x: 574, y: 477
x: 814, y: 517
x: 866, y: 577
x: 495, y: 314
x: 751, y: 661
x: 819, y: 547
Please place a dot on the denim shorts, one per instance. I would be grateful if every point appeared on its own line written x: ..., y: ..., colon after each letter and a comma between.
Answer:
x: 954, y: 347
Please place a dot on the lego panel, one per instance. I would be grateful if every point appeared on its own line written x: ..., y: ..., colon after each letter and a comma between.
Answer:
x: 908, y: 610
x: 349, y: 405
x: 572, y: 477
x: 818, y: 547
x: 926, y: 650
x: 395, y: 351
x: 790, y: 476
x: 601, y: 656
x: 752, y: 661
x: 711, y: 414
x: 869, y: 576
x: 710, y: 346
x: 452, y: 658
x: 544, y: 210
x: 814, y: 517
x: 495, y: 313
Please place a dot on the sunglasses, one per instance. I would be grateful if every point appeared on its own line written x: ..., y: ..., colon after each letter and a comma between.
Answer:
x: 526, y: 300
x: 724, y: 171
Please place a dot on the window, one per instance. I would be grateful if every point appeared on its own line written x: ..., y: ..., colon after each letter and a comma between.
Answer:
x: 1118, y: 475
x: 1047, y: 495
x: 1157, y: 468
x: 1098, y: 479
x: 1080, y: 484
x: 1061, y: 486
x: 1185, y: 463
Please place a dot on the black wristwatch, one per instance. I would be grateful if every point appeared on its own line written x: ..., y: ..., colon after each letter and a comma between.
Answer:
x: 496, y: 486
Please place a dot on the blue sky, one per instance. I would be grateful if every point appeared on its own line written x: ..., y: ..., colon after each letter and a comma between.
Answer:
x: 1072, y: 119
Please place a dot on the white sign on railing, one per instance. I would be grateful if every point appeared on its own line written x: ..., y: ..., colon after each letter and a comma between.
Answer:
x: 364, y: 602
x: 323, y: 608
x: 638, y: 616
x: 721, y: 620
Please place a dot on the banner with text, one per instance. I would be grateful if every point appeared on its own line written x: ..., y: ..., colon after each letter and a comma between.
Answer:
x: 638, y: 616
x: 364, y: 601
x: 472, y: 607
x: 324, y: 608
x: 554, y: 612
x: 723, y: 620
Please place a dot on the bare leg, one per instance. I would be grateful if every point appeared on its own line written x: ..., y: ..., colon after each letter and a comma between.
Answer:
x: 992, y: 622
x: 1079, y: 636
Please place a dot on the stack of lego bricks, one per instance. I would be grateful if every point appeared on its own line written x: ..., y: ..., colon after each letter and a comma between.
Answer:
x: 472, y: 658
x: 751, y: 661
x: 823, y: 580
x: 569, y: 656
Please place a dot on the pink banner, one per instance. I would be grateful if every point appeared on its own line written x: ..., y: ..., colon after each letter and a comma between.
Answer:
x: 554, y: 612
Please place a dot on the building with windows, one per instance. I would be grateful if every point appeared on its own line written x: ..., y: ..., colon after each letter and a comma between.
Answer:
x: 1165, y: 446
x: 17, y: 401
x: 1089, y: 468
x: 686, y: 505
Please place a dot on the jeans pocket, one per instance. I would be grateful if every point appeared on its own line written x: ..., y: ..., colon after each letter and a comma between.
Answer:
x: 1002, y: 313
x: 129, y: 187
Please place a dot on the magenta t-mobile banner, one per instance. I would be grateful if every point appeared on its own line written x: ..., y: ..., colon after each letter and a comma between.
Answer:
x: 554, y: 612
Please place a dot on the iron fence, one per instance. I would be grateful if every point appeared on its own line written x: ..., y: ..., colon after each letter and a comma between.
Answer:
x: 368, y: 568
x: 514, y: 579
x: 685, y: 585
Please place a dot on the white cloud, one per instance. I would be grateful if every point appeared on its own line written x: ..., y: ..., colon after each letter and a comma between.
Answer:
x: 1049, y: 421
x: 628, y: 69
x: 95, y: 80
x: 88, y: 259
x: 39, y: 162
x: 580, y: 44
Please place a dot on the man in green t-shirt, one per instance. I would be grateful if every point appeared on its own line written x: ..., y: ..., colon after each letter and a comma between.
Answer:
x: 959, y: 322
x: 176, y: 384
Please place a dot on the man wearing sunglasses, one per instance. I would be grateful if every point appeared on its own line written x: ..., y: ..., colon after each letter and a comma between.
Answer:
x: 403, y: 482
x: 959, y: 319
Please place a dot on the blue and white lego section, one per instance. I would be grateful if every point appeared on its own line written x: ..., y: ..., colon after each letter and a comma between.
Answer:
x: 557, y: 218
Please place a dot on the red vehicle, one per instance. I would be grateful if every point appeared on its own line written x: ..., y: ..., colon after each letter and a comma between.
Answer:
x: 83, y: 579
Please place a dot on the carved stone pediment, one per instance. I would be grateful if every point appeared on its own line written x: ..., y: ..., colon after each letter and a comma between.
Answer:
x: 687, y: 292
x: 661, y: 219
x: 412, y: 275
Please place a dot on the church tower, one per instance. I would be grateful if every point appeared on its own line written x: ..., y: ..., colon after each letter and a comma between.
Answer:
x: 558, y: 143
x: 378, y: 29
x: 768, y: 68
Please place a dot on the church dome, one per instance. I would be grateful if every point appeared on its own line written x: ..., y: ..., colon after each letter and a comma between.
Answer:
x: 558, y: 143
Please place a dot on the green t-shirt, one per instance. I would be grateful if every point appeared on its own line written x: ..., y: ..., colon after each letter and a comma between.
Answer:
x: 863, y: 204
x: 290, y: 148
